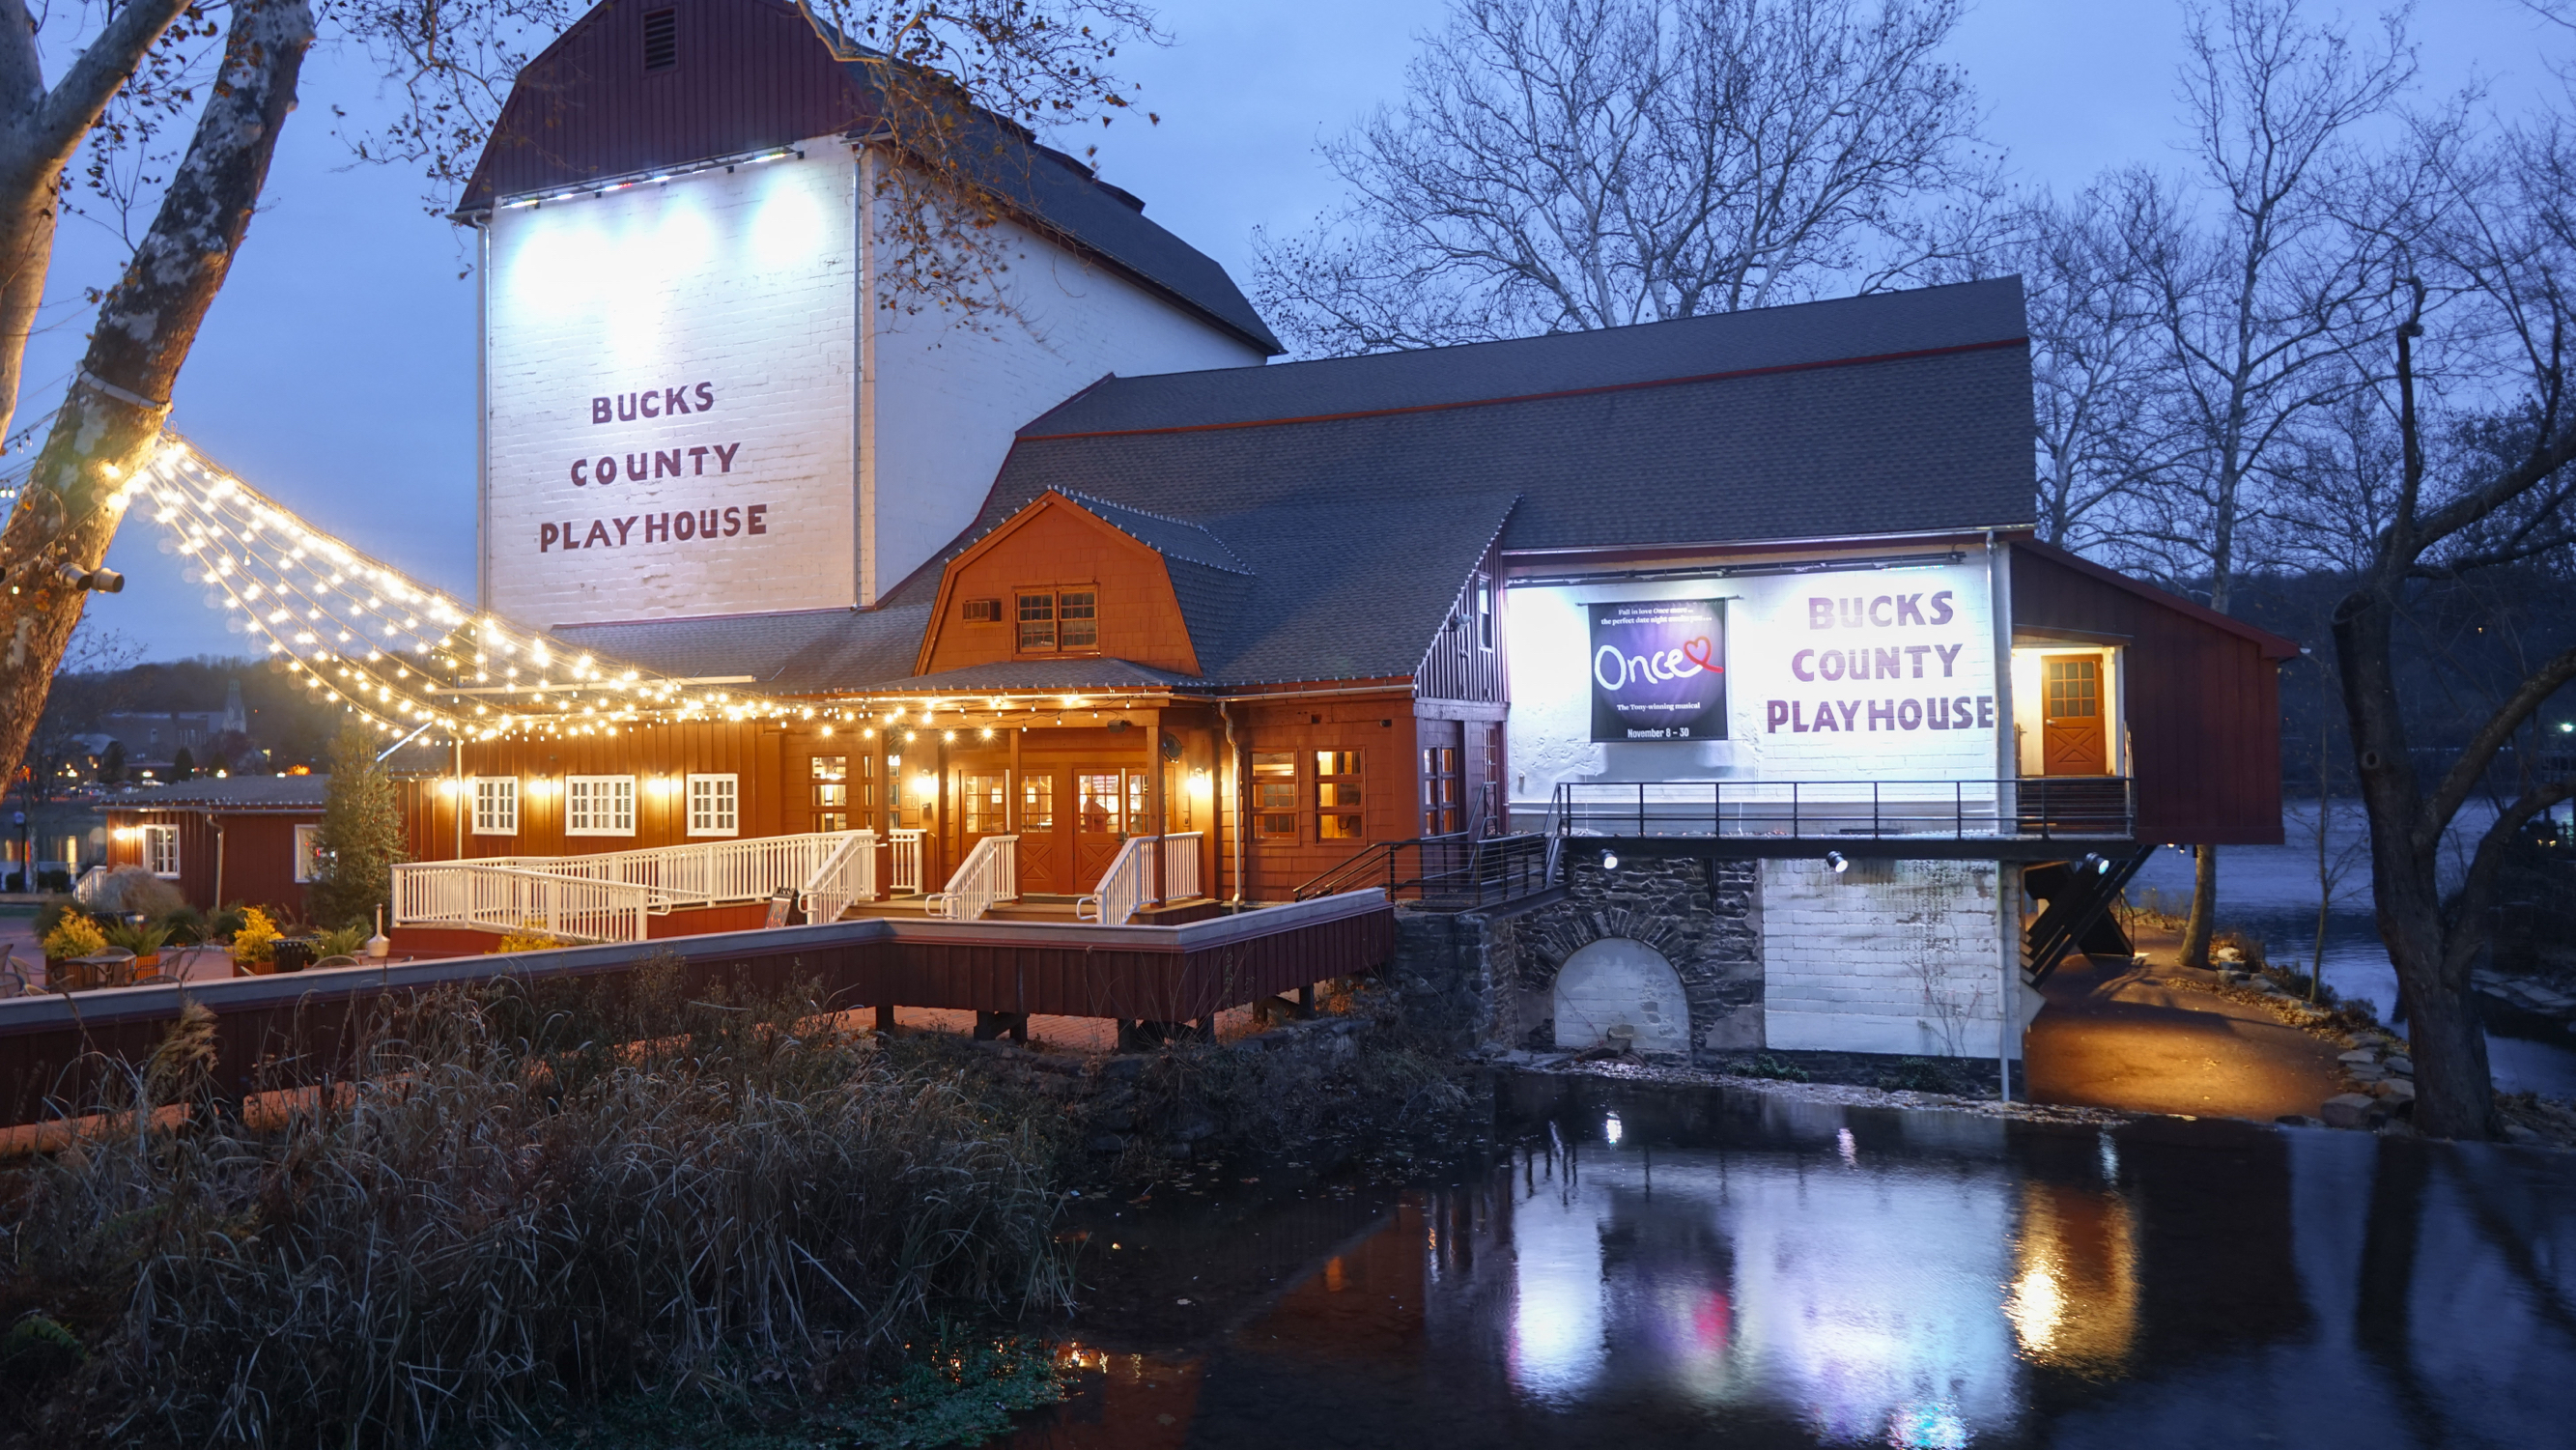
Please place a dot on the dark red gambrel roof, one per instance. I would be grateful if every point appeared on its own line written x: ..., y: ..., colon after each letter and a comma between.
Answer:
x: 754, y: 75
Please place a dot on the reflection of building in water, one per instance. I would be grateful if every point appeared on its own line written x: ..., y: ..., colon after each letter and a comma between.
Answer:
x: 2074, y: 1298
x: 1858, y: 1300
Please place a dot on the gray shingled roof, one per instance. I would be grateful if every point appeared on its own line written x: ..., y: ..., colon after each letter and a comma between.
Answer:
x: 293, y: 794
x: 1358, y: 494
x: 808, y: 652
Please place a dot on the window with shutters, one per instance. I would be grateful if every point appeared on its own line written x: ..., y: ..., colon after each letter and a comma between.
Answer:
x: 715, y: 805
x: 599, y: 805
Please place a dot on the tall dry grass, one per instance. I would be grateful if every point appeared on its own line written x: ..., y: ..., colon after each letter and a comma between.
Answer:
x: 522, y: 1197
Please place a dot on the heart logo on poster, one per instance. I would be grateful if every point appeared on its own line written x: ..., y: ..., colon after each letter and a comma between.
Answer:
x: 1697, y: 651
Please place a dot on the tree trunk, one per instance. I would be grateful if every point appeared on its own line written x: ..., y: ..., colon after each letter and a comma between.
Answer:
x: 113, y: 412
x: 2203, y: 921
x: 2454, y: 1093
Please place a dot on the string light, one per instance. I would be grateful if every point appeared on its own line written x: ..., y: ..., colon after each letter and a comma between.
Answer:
x: 399, y: 654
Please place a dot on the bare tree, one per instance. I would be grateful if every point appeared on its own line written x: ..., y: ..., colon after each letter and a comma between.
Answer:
x: 962, y: 87
x: 2486, y: 432
x: 2265, y: 264
x: 2094, y: 360
x: 1559, y: 165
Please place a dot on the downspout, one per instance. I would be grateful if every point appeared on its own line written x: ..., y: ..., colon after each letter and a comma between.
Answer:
x: 1234, y: 769
x: 2007, y: 768
x: 218, y: 823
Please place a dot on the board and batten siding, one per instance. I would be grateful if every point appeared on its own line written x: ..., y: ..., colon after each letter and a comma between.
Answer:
x: 2202, y: 696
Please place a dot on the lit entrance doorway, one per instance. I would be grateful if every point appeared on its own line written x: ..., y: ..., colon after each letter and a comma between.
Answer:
x: 2073, y: 737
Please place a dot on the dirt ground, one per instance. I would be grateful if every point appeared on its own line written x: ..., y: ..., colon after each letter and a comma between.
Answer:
x: 2138, y: 1037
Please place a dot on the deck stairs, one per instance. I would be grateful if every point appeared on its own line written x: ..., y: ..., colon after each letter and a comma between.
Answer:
x: 2078, y: 916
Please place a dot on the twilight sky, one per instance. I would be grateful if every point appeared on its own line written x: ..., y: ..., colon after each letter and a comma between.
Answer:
x: 336, y: 372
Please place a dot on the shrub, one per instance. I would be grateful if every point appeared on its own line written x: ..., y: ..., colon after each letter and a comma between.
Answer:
x: 256, y: 939
x: 529, y: 938
x: 131, y: 889
x: 521, y: 1196
x: 142, y: 940
x: 75, y: 936
x: 346, y: 941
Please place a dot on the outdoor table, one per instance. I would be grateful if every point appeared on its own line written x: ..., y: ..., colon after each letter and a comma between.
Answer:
x: 113, y: 967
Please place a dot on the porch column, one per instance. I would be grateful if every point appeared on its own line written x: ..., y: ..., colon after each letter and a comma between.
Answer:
x: 1154, y: 797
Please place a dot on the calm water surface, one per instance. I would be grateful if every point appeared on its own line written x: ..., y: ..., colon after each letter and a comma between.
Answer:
x: 1645, y: 1267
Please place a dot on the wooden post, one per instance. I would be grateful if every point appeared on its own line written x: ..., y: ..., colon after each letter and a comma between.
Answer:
x: 1154, y: 799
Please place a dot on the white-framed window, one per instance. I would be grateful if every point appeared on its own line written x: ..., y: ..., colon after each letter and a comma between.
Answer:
x: 599, y: 805
x: 161, y: 850
x: 308, y: 852
x: 496, y: 805
x: 715, y: 805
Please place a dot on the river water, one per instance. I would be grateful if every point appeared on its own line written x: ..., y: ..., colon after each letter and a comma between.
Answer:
x: 1643, y: 1267
x: 2272, y: 891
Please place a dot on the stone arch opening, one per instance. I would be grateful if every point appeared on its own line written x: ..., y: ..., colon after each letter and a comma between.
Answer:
x: 1616, y: 990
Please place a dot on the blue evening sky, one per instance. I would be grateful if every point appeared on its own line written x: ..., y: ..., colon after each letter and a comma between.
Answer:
x: 336, y: 372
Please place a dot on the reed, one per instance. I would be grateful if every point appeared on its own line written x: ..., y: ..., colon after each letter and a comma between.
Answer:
x: 522, y: 1197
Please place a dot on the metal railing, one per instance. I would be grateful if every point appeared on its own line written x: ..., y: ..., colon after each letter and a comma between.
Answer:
x: 700, y: 873
x: 482, y: 896
x: 905, y: 876
x: 847, y: 876
x: 990, y: 873
x: 1444, y: 873
x: 1130, y: 884
x: 2036, y: 807
x: 85, y: 890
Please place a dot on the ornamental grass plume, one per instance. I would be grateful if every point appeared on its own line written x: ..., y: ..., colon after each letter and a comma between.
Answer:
x: 523, y: 1195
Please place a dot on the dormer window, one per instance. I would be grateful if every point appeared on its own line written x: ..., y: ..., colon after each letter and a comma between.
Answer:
x: 1059, y: 620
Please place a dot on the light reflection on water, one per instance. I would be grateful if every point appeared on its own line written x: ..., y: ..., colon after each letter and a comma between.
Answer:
x: 1737, y: 1270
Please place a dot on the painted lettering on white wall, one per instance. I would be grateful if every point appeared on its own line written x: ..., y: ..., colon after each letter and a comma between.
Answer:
x: 661, y: 528
x: 1904, y: 660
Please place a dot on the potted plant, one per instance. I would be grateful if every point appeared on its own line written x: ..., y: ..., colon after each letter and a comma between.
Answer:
x: 144, y: 939
x: 254, y: 945
x: 74, y: 936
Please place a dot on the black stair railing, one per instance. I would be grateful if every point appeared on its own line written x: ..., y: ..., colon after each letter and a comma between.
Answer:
x: 1447, y: 873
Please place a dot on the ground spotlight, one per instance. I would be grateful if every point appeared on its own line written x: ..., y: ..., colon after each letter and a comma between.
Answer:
x: 1836, y: 862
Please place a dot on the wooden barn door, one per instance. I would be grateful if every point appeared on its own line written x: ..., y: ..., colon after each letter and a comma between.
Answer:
x: 2072, y: 740
x: 1109, y: 806
x: 1046, y: 865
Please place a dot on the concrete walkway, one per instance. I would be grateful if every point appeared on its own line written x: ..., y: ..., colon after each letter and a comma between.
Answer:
x: 2119, y: 1035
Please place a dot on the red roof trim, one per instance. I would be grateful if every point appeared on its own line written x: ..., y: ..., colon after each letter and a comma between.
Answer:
x: 2272, y: 645
x: 1544, y: 397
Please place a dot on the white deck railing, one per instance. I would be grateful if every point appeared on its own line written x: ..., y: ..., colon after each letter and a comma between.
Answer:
x: 905, y: 878
x: 701, y: 873
x: 481, y: 896
x: 990, y: 873
x: 85, y: 890
x: 846, y: 876
x: 1128, y: 885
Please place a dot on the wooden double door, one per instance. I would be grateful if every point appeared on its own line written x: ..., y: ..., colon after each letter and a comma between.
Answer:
x: 1072, y: 817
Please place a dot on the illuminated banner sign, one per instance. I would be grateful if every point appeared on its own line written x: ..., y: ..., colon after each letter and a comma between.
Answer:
x: 1659, y: 670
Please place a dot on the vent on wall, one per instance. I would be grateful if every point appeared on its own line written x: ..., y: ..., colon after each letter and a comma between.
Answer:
x: 661, y: 39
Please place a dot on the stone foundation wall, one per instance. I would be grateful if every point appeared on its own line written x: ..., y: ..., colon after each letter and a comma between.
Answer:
x: 1891, y: 956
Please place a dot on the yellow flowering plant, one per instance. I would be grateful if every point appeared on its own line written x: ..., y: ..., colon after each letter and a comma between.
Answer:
x: 256, y: 941
x: 74, y: 936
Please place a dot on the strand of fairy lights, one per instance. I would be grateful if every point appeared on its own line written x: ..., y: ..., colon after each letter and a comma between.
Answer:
x: 397, y: 653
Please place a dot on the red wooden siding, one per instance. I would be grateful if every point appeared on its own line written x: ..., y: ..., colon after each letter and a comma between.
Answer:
x: 752, y: 74
x: 2201, y: 697
x: 257, y: 857
x: 753, y: 751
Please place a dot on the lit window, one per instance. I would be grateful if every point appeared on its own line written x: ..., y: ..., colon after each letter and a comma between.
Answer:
x: 1339, y: 813
x: 308, y: 853
x: 986, y: 799
x: 599, y: 805
x: 161, y: 850
x: 1440, y: 793
x: 715, y: 805
x: 496, y: 805
x: 1067, y: 619
x: 1037, y: 803
x: 1485, y: 610
x: 831, y: 790
x: 1274, y: 794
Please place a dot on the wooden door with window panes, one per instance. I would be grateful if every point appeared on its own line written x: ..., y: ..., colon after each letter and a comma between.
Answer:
x: 983, y: 800
x: 1109, y: 806
x: 1443, y: 789
x: 2072, y: 739
x: 840, y: 789
x: 1045, y: 867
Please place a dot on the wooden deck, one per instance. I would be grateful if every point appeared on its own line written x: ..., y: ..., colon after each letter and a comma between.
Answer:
x: 280, y: 1030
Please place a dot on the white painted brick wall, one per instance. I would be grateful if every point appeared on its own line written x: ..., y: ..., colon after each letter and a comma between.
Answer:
x: 1914, y: 965
x: 743, y: 280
